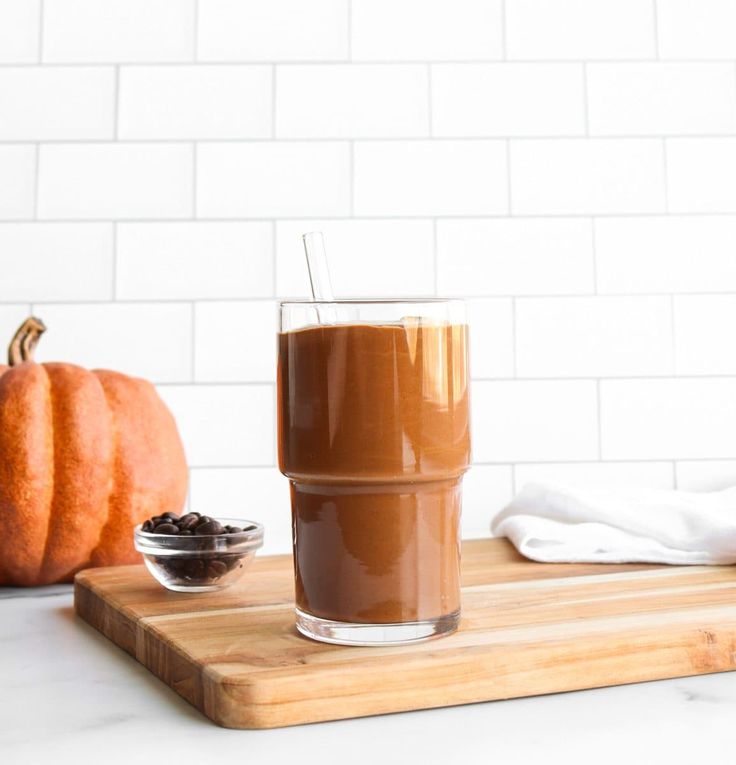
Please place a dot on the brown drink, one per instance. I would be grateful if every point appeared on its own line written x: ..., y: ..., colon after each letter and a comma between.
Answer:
x: 374, y: 436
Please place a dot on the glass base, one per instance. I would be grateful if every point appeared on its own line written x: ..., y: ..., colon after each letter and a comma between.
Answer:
x: 348, y: 633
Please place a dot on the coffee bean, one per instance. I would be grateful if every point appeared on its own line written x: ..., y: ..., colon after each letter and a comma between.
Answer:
x: 210, y: 528
x: 188, y: 521
x: 172, y: 516
x: 203, y: 519
x: 166, y: 528
x: 193, y: 568
x: 147, y: 526
x: 186, y: 533
x: 234, y: 530
x: 216, y: 568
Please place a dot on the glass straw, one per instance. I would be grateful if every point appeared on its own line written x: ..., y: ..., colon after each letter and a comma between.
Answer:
x: 319, y: 274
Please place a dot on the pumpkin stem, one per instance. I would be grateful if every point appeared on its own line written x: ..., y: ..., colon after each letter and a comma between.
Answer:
x: 24, y: 341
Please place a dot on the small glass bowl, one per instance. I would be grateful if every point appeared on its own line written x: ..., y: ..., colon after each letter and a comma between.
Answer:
x: 200, y: 563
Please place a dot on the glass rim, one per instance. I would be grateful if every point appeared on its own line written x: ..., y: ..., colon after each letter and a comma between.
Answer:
x: 371, y: 301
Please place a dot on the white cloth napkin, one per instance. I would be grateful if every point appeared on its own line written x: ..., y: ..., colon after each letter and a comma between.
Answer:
x: 556, y: 524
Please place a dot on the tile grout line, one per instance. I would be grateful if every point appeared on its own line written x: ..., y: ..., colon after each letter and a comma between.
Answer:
x: 594, y: 253
x: 665, y: 177
x: 351, y: 170
x: 350, y: 30
x: 430, y: 118
x: 514, y: 370
x: 116, y: 104
x: 36, y: 181
x: 643, y: 296
x: 435, y: 257
x: 599, y: 419
x: 274, y: 263
x: 114, y: 261
x: 386, y: 218
x: 341, y: 217
x: 586, y: 115
x: 673, y: 339
x: 509, y: 194
x: 497, y: 61
x: 273, y: 101
x: 504, y: 41
x: 195, y: 36
x: 195, y: 161
x: 649, y: 138
x: 41, y: 41
x: 193, y: 340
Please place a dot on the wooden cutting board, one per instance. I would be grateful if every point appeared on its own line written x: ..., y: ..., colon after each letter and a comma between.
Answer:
x: 527, y: 628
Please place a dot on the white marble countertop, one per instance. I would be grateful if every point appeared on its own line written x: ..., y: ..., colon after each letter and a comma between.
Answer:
x: 67, y: 695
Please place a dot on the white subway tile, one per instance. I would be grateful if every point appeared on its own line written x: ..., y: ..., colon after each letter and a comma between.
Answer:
x: 576, y: 177
x: 711, y: 475
x: 614, y: 475
x: 19, y: 31
x: 579, y: 29
x: 487, y: 489
x: 666, y: 254
x: 661, y: 99
x: 11, y: 317
x: 430, y: 178
x: 701, y: 174
x: 374, y: 258
x: 704, y: 331
x: 195, y: 102
x: 194, y: 260
x: 56, y: 261
x: 593, y: 337
x: 47, y: 103
x: 352, y: 101
x: 224, y: 425
x: 118, y: 30
x: 402, y: 30
x: 491, y: 324
x: 235, y: 342
x: 668, y: 419
x: 514, y: 257
x: 143, y: 339
x: 17, y: 181
x: 115, y: 181
x: 277, y: 30
x: 692, y: 29
x: 507, y: 100
x: 273, y: 179
x: 525, y: 420
x: 255, y: 494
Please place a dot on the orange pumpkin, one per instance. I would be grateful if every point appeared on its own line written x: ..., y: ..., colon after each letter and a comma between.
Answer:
x: 84, y: 457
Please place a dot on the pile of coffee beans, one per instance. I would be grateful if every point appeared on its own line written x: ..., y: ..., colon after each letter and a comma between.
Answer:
x: 207, y: 562
x: 189, y: 524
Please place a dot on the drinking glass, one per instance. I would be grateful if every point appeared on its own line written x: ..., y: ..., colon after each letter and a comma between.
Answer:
x: 374, y: 437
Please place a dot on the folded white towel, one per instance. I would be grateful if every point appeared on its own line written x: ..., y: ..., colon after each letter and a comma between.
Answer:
x: 556, y: 524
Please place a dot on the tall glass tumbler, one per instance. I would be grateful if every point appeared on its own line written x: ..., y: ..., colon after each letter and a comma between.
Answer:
x: 374, y: 436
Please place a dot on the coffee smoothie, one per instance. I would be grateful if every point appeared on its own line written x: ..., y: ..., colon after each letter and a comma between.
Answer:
x: 374, y: 437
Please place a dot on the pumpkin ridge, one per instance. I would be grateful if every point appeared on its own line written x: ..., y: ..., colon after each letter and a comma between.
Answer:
x: 52, y: 497
x: 25, y: 463
x: 114, y: 467
x: 80, y: 466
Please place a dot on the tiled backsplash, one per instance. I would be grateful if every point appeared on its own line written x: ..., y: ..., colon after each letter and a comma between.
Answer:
x: 568, y: 165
